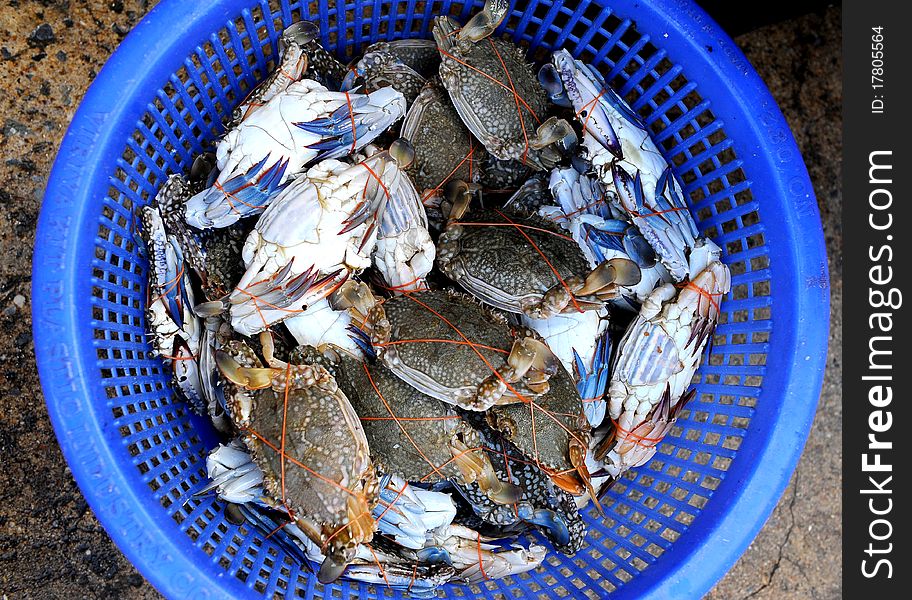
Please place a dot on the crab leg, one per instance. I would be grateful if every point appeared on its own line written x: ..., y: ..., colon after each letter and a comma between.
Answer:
x: 476, y: 467
x: 292, y: 67
x: 482, y: 24
x: 603, y: 283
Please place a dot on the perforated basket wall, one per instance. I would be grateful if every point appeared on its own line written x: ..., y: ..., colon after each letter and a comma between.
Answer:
x: 672, y: 527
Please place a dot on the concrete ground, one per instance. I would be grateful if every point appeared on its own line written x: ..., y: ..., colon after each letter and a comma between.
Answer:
x: 51, y: 545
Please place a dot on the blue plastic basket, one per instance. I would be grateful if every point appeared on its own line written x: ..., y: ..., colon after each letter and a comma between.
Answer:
x: 672, y: 528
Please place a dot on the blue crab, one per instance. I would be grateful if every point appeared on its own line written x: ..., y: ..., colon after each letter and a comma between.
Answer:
x: 448, y: 347
x: 319, y: 230
x: 405, y: 65
x: 303, y: 123
x: 627, y: 161
x: 527, y: 265
x: 412, y: 434
x: 444, y: 148
x: 495, y: 91
x: 662, y: 347
x: 308, y: 442
x: 174, y: 328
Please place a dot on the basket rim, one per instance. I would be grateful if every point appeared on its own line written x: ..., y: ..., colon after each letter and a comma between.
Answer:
x: 693, y: 563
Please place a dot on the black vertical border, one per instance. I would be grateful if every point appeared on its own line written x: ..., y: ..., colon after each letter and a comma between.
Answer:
x: 868, y: 254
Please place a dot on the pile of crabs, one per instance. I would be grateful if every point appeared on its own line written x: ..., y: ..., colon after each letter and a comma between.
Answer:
x: 423, y: 340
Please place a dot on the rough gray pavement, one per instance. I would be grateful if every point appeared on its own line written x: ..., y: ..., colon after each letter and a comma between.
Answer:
x: 51, y: 545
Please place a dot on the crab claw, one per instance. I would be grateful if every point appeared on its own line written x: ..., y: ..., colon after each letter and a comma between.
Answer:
x: 246, y: 377
x: 402, y: 151
x: 533, y: 360
x: 203, y: 169
x: 330, y: 570
x: 476, y: 467
x: 353, y: 79
x: 570, y: 482
x: 434, y: 555
x: 550, y: 132
x: 554, y: 526
x: 458, y: 195
x: 578, y: 452
x: 609, y: 274
x: 550, y: 79
x: 300, y: 33
x: 239, y: 197
x: 483, y: 23
x: 355, y: 297
x: 530, y: 361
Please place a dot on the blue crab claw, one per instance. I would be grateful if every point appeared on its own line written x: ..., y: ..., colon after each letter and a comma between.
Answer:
x: 638, y: 249
x: 362, y: 340
x: 300, y: 33
x: 483, y: 23
x: 204, y: 170
x: 352, y: 79
x: 580, y: 163
x: 665, y: 224
x: 552, y: 525
x: 593, y: 380
x: 166, y: 262
x: 434, y: 555
x: 330, y: 570
x: 241, y: 196
x: 550, y: 79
